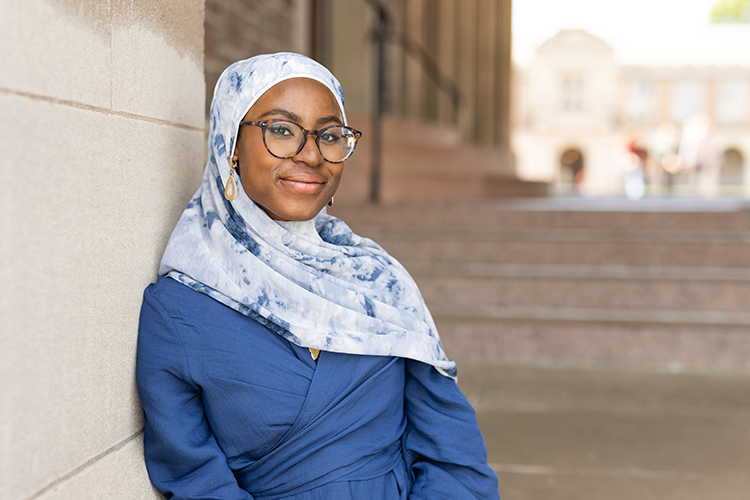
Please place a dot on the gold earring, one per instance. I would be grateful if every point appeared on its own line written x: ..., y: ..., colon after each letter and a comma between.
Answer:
x: 230, y: 190
x: 330, y: 203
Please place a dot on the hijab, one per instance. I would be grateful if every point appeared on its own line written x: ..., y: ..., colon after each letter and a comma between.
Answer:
x: 315, y: 283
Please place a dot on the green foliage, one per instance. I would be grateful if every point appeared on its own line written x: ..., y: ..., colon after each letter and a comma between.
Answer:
x: 731, y: 11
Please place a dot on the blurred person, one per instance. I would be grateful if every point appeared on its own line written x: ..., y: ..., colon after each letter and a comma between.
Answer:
x: 697, y: 155
x: 280, y: 355
x: 634, y: 163
x: 664, y: 148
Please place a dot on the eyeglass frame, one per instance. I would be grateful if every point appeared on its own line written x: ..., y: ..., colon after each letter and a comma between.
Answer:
x: 264, y: 126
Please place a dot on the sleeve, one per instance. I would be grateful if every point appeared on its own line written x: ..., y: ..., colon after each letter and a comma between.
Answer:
x: 443, y: 446
x: 183, y: 458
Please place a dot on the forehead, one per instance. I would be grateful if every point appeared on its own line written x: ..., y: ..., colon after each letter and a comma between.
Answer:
x: 298, y: 92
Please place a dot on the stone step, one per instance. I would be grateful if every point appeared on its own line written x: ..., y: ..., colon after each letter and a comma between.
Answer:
x: 659, y: 284
x: 663, y: 340
x: 571, y: 247
x: 427, y: 174
x: 421, y: 133
x: 592, y: 288
x: 427, y: 164
x: 562, y: 314
x: 612, y: 215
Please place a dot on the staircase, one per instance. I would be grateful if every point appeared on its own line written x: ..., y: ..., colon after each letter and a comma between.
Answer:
x: 662, y: 284
x: 428, y: 161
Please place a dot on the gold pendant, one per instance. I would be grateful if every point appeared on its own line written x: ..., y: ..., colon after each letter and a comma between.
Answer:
x: 314, y: 353
x: 231, y: 185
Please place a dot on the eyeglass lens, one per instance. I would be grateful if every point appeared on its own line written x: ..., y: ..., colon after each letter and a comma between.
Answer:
x: 284, y: 138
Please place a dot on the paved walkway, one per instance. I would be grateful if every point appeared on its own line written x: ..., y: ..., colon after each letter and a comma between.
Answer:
x: 585, y: 434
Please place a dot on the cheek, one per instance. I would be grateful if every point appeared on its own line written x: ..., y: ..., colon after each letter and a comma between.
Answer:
x: 337, y: 173
x: 254, y: 169
x: 256, y: 177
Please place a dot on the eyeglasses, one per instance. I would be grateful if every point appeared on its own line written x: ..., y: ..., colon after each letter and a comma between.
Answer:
x: 285, y: 139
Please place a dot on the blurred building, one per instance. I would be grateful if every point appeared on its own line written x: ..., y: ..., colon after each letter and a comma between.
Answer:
x: 587, y: 123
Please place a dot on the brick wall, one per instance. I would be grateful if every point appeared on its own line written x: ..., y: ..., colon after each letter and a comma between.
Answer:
x: 238, y: 29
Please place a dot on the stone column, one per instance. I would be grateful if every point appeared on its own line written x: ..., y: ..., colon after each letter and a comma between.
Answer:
x: 503, y: 77
x: 102, y: 143
x: 484, y: 108
x: 466, y: 65
x: 446, y: 52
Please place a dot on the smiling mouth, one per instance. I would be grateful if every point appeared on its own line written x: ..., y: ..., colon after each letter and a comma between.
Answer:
x: 304, y: 183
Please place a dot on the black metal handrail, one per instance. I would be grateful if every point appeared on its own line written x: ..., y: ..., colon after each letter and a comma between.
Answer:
x: 432, y: 69
x: 383, y: 33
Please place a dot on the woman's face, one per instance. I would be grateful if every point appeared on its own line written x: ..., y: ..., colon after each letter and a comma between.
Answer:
x: 294, y: 188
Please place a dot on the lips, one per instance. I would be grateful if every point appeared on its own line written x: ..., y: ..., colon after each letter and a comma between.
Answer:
x: 304, y: 183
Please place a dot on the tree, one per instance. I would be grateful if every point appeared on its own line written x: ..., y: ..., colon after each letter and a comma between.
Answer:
x: 731, y: 11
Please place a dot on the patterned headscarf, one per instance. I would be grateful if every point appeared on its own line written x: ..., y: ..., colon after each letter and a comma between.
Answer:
x: 315, y: 283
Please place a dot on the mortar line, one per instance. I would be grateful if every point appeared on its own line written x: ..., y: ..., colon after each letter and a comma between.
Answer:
x: 86, y: 464
x: 576, y: 271
x: 546, y: 470
x: 591, y: 314
x: 98, y: 109
x: 111, y: 66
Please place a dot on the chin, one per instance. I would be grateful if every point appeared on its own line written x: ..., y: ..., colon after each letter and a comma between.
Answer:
x: 300, y: 214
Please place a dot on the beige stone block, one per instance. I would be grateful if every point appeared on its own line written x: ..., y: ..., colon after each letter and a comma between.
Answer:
x: 58, y: 49
x: 120, y: 474
x: 89, y: 200
x: 157, y: 59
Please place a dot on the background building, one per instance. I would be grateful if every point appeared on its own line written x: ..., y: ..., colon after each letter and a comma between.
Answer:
x: 580, y: 119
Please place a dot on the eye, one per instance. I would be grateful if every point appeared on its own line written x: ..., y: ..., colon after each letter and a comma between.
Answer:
x: 331, y: 135
x: 281, y: 130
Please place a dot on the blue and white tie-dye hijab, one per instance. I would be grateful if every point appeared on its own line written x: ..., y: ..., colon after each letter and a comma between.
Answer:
x: 315, y: 283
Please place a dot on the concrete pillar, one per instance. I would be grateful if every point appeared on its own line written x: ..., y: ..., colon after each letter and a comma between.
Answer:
x: 466, y: 66
x: 484, y: 108
x: 446, y: 54
x: 432, y: 93
x: 415, y: 77
x: 352, y: 54
x: 102, y: 138
x: 503, y: 77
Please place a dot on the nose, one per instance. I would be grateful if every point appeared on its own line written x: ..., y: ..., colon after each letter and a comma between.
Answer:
x: 310, y: 153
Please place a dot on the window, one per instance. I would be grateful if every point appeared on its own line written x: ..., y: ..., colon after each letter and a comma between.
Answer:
x: 642, y: 101
x: 572, y: 91
x: 687, y: 99
x: 732, y: 102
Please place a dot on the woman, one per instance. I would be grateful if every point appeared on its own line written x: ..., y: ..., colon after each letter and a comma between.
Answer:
x: 279, y: 354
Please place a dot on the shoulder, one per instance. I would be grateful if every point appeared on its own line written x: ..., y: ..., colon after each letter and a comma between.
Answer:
x: 173, y: 295
x: 171, y: 299
x: 200, y: 321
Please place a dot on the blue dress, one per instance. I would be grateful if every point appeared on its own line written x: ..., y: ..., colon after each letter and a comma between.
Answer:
x: 235, y: 412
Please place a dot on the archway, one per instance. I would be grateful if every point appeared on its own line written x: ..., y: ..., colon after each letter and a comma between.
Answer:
x: 571, y: 167
x: 732, y: 167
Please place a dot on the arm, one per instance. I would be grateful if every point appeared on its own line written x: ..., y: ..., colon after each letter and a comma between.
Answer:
x: 183, y: 458
x: 443, y: 446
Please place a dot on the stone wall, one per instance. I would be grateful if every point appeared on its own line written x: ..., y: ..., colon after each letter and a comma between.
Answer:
x: 102, y: 143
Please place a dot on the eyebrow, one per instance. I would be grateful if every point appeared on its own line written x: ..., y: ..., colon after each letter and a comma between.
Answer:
x: 295, y: 117
x: 327, y: 119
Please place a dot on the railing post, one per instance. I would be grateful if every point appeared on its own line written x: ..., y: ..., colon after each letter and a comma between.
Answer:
x: 381, y: 32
